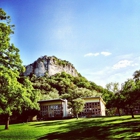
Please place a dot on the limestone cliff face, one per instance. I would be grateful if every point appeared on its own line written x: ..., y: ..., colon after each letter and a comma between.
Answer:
x: 50, y: 65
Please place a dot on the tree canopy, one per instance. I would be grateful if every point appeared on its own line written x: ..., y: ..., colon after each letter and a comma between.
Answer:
x: 9, y: 54
x: 14, y: 95
x: 126, y: 98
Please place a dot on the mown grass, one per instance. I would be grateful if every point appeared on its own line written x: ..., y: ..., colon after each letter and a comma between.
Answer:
x: 100, y: 128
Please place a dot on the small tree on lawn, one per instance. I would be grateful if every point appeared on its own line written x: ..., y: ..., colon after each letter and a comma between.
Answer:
x: 77, y: 106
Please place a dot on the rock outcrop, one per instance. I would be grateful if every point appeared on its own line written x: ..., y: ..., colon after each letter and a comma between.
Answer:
x: 50, y: 65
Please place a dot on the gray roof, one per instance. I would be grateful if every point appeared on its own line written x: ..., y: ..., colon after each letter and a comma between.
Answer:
x: 52, y: 100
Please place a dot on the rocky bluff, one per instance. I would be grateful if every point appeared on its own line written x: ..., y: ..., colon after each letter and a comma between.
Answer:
x: 50, y: 65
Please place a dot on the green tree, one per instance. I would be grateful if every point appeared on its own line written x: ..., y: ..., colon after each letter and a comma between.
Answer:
x: 113, y: 87
x: 14, y: 96
x: 129, y: 92
x: 136, y: 75
x: 50, y: 95
x: 116, y: 100
x: 77, y: 106
x: 9, y: 54
x: 75, y: 96
x: 30, y: 107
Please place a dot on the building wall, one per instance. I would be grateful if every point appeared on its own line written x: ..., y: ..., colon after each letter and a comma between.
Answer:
x: 93, y: 107
x: 88, y: 100
x: 102, y: 108
x: 53, y: 109
x: 65, y: 109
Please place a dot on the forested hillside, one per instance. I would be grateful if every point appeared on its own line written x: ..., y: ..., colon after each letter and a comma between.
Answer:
x: 58, y: 85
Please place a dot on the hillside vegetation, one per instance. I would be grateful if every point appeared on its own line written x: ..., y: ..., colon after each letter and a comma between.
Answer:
x: 59, y: 84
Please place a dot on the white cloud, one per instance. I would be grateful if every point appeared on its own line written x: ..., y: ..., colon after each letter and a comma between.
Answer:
x: 107, y: 75
x: 91, y: 54
x: 96, y: 54
x: 118, y: 72
x: 106, y: 53
x: 123, y: 64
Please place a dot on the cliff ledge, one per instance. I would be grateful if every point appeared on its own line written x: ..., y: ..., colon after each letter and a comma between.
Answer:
x: 50, y: 65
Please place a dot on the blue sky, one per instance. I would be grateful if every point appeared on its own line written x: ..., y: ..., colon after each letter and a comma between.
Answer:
x: 101, y: 38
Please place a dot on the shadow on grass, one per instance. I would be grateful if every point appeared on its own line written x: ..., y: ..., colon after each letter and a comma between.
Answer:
x: 94, y: 120
x: 48, y: 123
x: 90, y: 129
x: 2, y: 129
x: 93, y: 133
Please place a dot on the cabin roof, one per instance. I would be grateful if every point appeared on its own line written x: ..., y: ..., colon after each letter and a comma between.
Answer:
x: 52, y: 100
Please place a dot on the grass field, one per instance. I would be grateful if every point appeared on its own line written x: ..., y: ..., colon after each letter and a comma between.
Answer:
x: 100, y: 128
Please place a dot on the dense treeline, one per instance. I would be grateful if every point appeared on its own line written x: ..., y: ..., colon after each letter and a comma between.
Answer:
x: 126, y: 98
x: 63, y: 83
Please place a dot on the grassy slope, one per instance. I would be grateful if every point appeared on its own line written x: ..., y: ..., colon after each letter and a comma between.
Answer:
x: 84, y: 128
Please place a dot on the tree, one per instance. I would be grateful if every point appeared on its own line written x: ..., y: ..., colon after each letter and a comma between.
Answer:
x: 9, y: 54
x: 14, y: 96
x: 77, y: 106
x: 114, y: 87
x: 75, y: 101
x: 136, y: 75
x: 50, y: 95
x: 30, y: 107
x: 128, y: 91
x: 116, y: 100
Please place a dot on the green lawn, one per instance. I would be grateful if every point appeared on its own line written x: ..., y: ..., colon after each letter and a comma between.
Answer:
x: 100, y: 128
